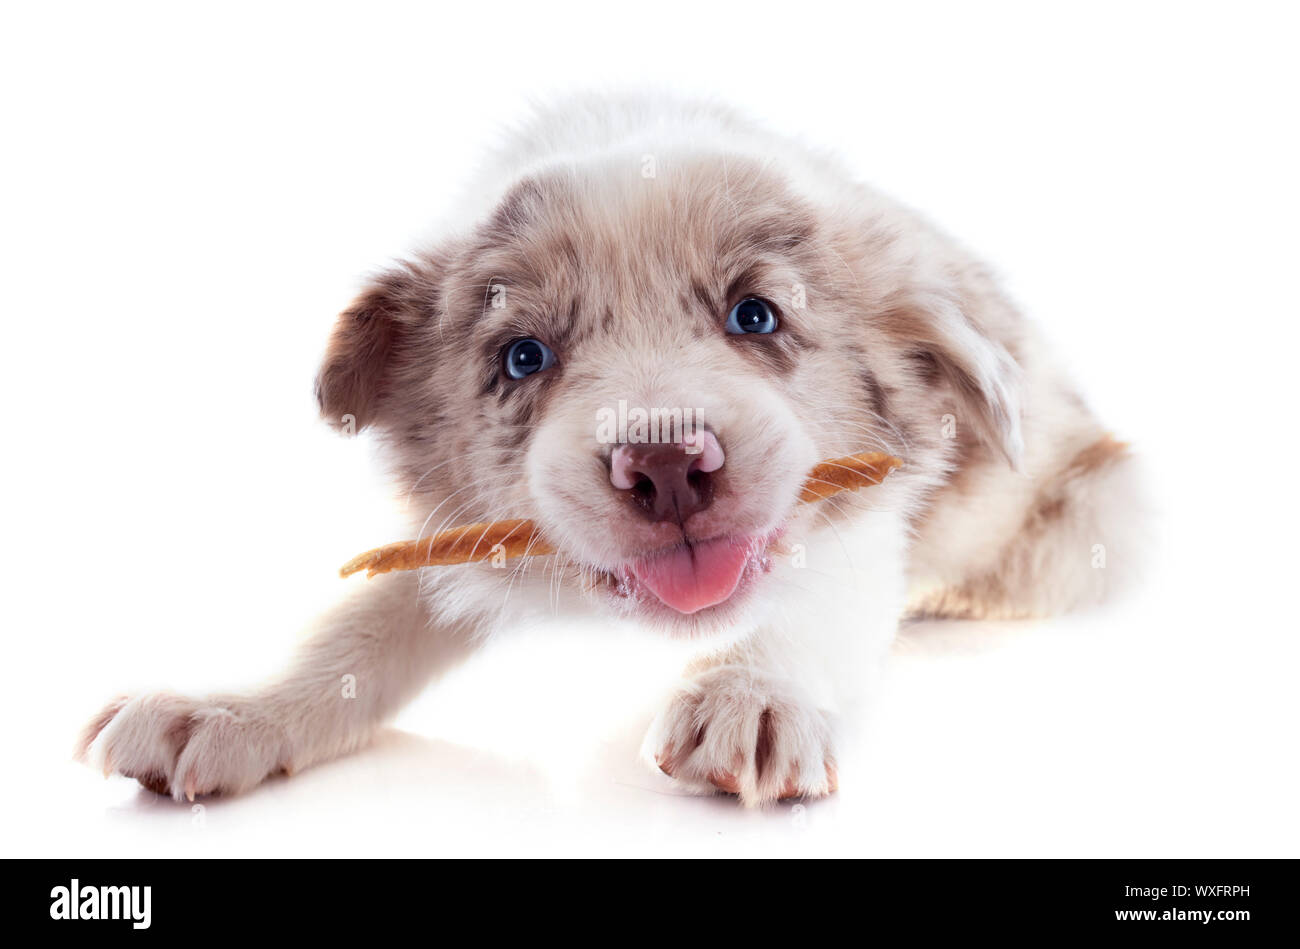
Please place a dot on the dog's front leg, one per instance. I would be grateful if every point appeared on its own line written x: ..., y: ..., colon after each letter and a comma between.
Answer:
x: 743, y: 728
x: 764, y: 718
x: 370, y: 656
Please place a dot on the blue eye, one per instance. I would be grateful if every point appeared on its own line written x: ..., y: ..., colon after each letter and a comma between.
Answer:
x: 751, y: 315
x: 524, y: 357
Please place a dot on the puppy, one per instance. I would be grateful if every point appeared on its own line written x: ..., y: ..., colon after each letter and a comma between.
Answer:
x: 644, y: 259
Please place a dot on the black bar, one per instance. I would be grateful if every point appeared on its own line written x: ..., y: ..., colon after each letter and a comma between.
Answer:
x: 334, y: 898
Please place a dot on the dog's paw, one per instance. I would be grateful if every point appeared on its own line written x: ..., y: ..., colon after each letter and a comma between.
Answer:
x: 182, y: 746
x: 734, y: 730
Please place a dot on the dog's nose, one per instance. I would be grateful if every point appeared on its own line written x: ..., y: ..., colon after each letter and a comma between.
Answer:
x: 669, y: 481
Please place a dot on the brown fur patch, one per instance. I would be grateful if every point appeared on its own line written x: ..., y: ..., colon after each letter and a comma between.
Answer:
x: 1097, y: 455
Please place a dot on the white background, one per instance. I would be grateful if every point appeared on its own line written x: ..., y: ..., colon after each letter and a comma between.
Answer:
x: 189, y: 197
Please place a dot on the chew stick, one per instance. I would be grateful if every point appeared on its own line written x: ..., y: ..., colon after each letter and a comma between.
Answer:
x: 467, y: 544
x: 520, y: 538
x: 847, y: 474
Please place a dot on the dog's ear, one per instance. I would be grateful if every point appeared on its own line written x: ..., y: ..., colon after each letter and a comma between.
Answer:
x: 372, y: 340
x: 954, y: 350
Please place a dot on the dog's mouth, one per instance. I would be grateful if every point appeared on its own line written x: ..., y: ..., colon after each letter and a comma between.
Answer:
x: 693, y: 576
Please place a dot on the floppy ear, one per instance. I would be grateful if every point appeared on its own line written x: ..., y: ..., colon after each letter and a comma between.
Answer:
x: 983, y: 377
x: 371, y: 341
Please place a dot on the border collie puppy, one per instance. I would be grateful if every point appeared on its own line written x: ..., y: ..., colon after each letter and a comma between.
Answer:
x: 746, y: 308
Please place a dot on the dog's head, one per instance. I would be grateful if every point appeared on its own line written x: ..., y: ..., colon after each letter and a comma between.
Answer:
x: 648, y: 367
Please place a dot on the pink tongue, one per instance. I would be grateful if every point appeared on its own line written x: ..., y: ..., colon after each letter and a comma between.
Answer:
x: 690, y: 579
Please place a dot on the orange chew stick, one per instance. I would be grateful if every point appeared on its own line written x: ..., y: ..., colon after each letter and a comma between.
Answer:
x: 847, y: 474
x: 520, y: 538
